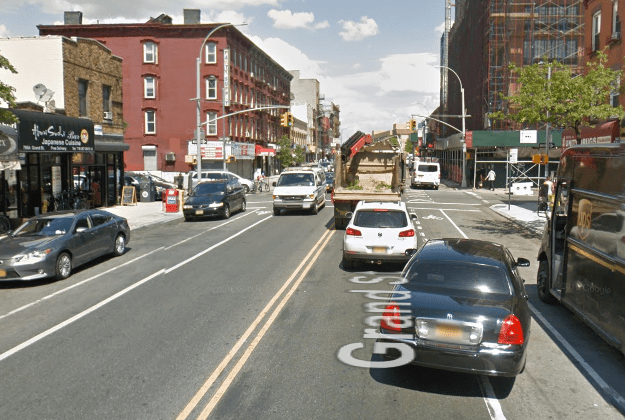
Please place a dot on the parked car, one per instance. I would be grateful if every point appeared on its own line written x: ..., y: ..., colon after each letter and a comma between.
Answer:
x: 464, y: 305
x: 53, y: 244
x: 379, y: 232
x: 426, y: 174
x: 210, y: 198
x: 221, y: 175
x: 160, y: 185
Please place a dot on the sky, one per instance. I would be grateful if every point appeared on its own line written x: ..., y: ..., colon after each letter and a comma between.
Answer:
x: 375, y: 60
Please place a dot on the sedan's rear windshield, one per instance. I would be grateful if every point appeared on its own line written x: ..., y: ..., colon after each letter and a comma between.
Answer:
x: 381, y: 218
x: 427, y: 168
x: 457, y: 275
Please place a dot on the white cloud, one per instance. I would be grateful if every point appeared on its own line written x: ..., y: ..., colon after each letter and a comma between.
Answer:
x: 3, y: 30
x: 285, y: 19
x: 357, y: 31
x: 440, y: 28
x: 289, y: 57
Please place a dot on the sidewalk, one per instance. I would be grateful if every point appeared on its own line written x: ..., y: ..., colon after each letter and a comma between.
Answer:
x: 144, y: 214
x: 522, y: 208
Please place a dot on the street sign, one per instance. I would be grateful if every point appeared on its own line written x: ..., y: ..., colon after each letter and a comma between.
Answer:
x: 540, y: 159
x: 514, y: 155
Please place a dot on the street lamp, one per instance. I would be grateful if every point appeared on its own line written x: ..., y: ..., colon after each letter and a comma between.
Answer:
x: 199, y: 99
x: 464, y: 131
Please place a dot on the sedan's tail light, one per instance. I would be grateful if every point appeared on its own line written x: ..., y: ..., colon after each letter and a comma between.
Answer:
x: 511, y: 331
x: 353, y: 232
x: 390, y: 318
x: 407, y: 233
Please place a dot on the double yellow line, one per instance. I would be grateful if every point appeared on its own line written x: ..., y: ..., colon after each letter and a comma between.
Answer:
x: 300, y: 273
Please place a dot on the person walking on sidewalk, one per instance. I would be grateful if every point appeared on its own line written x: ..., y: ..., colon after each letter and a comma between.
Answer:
x: 490, y: 177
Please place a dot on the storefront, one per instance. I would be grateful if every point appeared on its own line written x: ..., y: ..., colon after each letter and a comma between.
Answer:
x: 48, y: 156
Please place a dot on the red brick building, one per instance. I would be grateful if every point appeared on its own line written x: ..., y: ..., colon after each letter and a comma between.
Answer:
x: 159, y: 81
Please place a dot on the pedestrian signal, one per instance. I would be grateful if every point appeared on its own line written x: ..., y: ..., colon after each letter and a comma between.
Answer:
x: 540, y: 159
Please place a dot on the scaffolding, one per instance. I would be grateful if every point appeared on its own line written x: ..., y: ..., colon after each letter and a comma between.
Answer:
x: 525, y: 33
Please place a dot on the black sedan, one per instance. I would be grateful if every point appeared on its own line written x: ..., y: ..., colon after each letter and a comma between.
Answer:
x: 329, y: 182
x: 463, y: 307
x: 52, y: 244
x: 211, y: 198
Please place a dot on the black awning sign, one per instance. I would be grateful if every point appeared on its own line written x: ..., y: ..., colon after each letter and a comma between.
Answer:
x: 39, y: 132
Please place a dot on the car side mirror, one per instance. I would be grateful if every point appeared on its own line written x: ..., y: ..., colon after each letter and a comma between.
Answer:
x: 414, y: 216
x: 273, y: 184
x: 523, y: 262
x: 80, y: 229
x: 349, y: 214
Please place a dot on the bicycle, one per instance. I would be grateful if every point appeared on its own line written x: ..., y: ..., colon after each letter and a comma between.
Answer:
x: 261, y: 184
x: 5, y: 224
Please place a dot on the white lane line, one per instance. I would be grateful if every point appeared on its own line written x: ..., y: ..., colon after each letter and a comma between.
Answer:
x: 78, y: 284
x: 208, y: 230
x: 618, y: 399
x: 492, y: 403
x: 454, y: 204
x: 455, y: 225
x: 77, y: 317
x: 422, y: 234
x: 419, y: 227
x: 234, y: 350
x: 430, y: 208
x: 198, y: 255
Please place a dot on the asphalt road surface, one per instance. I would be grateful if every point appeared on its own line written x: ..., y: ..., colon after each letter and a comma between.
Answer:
x: 250, y: 318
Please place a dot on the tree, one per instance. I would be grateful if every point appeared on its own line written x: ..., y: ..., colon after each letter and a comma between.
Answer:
x: 287, y: 155
x: 549, y: 93
x: 6, y: 94
x: 409, y: 147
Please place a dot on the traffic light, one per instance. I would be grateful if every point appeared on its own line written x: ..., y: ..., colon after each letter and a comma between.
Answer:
x: 284, y: 120
x: 413, y: 125
x: 290, y: 119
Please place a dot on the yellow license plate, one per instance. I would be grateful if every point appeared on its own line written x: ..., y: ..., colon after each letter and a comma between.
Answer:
x: 3, y: 273
x: 379, y: 250
x: 447, y: 331
x: 199, y: 212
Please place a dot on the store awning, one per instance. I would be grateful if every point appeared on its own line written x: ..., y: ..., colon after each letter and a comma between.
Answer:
x: 261, y: 151
x: 107, y: 143
x: 607, y: 132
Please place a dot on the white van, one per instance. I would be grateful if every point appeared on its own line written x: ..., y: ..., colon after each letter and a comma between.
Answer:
x: 300, y: 188
x: 426, y: 174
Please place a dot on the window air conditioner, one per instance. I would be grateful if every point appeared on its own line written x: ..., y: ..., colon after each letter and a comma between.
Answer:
x: 616, y: 35
x: 108, y: 115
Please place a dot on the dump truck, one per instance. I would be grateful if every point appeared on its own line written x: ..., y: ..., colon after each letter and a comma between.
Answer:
x: 362, y: 171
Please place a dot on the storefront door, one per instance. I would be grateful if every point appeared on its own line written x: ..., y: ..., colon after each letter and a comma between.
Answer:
x: 96, y: 176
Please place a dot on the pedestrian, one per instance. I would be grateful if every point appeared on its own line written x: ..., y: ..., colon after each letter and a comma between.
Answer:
x: 490, y: 177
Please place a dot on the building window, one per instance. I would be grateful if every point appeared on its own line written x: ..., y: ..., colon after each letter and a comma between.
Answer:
x: 83, y: 86
x: 616, y: 21
x: 149, y: 87
x: 106, y: 102
x: 596, y: 30
x: 211, y: 53
x: 150, y: 122
x: 211, y: 88
x: 211, y: 125
x: 149, y: 52
x: 614, y: 94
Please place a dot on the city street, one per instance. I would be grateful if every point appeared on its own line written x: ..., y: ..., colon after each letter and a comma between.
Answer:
x: 249, y: 318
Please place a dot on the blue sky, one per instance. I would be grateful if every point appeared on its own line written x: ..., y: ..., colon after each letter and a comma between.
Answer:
x: 373, y: 59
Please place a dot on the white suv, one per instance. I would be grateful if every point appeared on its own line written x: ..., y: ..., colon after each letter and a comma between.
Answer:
x: 300, y: 189
x: 379, y: 232
x: 426, y: 174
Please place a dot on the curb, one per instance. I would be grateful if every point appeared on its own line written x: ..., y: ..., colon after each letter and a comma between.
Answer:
x: 538, y: 230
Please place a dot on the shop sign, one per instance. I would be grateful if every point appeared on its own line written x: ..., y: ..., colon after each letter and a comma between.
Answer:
x: 40, y: 132
x: 8, y: 143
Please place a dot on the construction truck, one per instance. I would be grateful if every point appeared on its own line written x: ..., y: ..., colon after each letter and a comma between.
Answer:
x: 365, y: 171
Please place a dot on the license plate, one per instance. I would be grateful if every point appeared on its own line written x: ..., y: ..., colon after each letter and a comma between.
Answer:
x: 199, y: 212
x: 3, y: 273
x: 379, y: 250
x: 448, y: 331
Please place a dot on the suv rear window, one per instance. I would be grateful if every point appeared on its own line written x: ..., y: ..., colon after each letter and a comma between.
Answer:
x: 380, y: 219
x: 427, y: 168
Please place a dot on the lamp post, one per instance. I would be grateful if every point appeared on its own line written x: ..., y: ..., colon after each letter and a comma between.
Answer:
x: 464, y: 130
x: 199, y: 99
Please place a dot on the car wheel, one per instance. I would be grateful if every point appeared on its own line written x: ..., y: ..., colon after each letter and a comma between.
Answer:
x: 63, y: 267
x: 243, y: 205
x: 247, y: 189
x: 120, y: 245
x: 542, y: 283
x: 276, y: 212
x: 436, y: 188
x: 314, y: 209
x: 349, y: 264
x: 188, y: 218
x: 227, y: 212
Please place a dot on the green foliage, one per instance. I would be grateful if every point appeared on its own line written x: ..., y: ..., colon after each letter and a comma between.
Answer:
x: 409, y: 147
x: 383, y: 186
x: 6, y: 94
x: 287, y: 155
x: 564, y: 100
x: 354, y: 185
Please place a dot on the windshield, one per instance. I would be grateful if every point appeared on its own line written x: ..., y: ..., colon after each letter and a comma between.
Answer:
x: 209, y: 188
x: 380, y: 219
x: 45, y: 227
x: 289, y: 180
x: 458, y: 276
